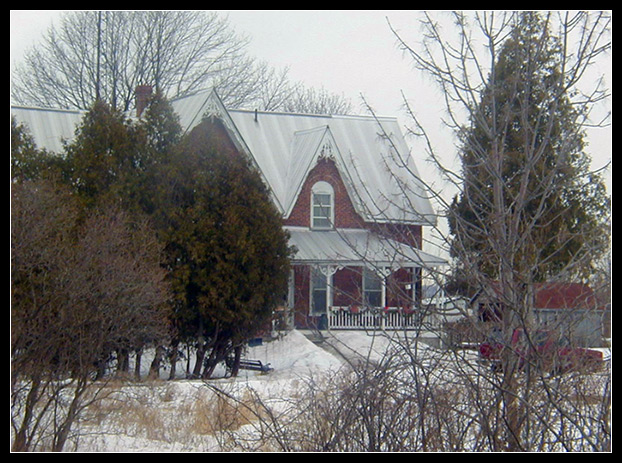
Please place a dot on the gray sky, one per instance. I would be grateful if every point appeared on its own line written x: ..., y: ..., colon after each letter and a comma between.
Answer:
x: 349, y: 52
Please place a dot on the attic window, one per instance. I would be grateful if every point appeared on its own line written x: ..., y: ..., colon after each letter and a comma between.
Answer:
x: 322, y: 206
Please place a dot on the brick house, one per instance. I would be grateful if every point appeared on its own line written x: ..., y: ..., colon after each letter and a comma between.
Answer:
x: 349, y: 194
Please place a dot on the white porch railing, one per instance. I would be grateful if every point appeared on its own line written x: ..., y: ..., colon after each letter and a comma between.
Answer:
x: 370, y: 318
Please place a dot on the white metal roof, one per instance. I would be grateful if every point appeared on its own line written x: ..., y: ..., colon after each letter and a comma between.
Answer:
x: 370, y: 153
x: 355, y: 247
x: 48, y: 127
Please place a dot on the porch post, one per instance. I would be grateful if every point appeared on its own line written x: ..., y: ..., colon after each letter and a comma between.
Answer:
x: 328, y: 271
x: 383, y: 281
x: 384, y: 274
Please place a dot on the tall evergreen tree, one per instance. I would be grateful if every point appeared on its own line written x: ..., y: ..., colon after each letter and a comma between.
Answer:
x: 227, y: 251
x: 529, y: 204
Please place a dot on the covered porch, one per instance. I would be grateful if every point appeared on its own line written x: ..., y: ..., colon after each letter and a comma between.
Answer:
x: 353, y: 279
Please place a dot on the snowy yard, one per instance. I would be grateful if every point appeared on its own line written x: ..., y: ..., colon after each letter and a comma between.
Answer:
x: 181, y: 415
x: 161, y: 416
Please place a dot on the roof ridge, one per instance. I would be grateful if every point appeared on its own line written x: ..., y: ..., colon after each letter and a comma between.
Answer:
x: 326, y: 116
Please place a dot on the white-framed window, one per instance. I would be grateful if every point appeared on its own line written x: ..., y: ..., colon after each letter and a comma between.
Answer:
x: 322, y: 206
x: 372, y: 288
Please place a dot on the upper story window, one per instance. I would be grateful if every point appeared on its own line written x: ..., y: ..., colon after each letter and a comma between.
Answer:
x: 322, y: 206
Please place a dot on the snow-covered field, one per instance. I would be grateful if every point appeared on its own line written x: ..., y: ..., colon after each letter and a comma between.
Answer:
x: 178, y: 416
x: 164, y: 416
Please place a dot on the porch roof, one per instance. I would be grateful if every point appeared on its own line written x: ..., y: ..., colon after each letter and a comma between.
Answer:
x: 355, y: 247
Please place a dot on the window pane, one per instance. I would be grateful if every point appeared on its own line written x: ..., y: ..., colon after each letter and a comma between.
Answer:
x: 321, y: 199
x: 372, y: 281
x: 319, y: 279
x: 321, y: 222
x: 319, y: 302
x: 321, y: 213
x: 373, y: 298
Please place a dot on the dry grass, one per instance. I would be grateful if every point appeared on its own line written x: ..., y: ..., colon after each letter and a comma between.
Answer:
x: 218, y: 413
x: 160, y: 411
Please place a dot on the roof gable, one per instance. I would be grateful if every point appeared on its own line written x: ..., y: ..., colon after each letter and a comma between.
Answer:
x: 370, y: 152
x: 309, y: 146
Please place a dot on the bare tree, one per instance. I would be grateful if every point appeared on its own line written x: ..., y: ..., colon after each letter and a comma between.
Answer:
x: 529, y: 208
x: 107, y: 54
x: 314, y: 101
x: 82, y: 288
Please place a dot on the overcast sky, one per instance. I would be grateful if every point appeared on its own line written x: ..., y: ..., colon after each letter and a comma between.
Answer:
x: 349, y: 52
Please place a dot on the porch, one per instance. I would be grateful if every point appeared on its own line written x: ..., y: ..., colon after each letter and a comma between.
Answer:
x: 355, y: 280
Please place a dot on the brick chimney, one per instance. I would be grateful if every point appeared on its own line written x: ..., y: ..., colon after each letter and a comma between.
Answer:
x: 143, y: 93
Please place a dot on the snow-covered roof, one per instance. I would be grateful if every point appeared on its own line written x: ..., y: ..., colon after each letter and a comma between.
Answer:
x: 371, y: 154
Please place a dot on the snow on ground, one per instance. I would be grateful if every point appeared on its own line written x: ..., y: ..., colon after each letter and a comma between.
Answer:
x: 171, y: 408
x: 293, y: 358
x: 161, y: 416
x: 292, y: 355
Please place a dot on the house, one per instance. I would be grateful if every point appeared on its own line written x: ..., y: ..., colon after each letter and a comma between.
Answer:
x: 350, y: 197
x: 573, y: 309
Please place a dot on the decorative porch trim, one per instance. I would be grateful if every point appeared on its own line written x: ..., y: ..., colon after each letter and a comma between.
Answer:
x: 373, y: 318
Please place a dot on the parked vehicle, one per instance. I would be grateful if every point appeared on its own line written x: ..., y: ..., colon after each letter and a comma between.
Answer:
x: 545, y: 349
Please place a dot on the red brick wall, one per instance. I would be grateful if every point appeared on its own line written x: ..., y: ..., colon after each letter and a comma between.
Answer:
x: 345, y: 214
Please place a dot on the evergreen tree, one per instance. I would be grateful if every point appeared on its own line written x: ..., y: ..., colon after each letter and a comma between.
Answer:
x: 104, y: 156
x: 28, y: 162
x: 228, y: 255
x: 161, y: 131
x: 529, y: 203
x: 111, y: 163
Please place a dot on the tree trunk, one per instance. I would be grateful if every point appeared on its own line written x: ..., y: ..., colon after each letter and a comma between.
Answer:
x: 123, y: 361
x: 198, y: 365
x: 235, y: 369
x: 216, y: 356
x: 139, y: 356
x: 154, y: 370
x: 60, y: 436
x: 173, y: 359
x: 21, y: 444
